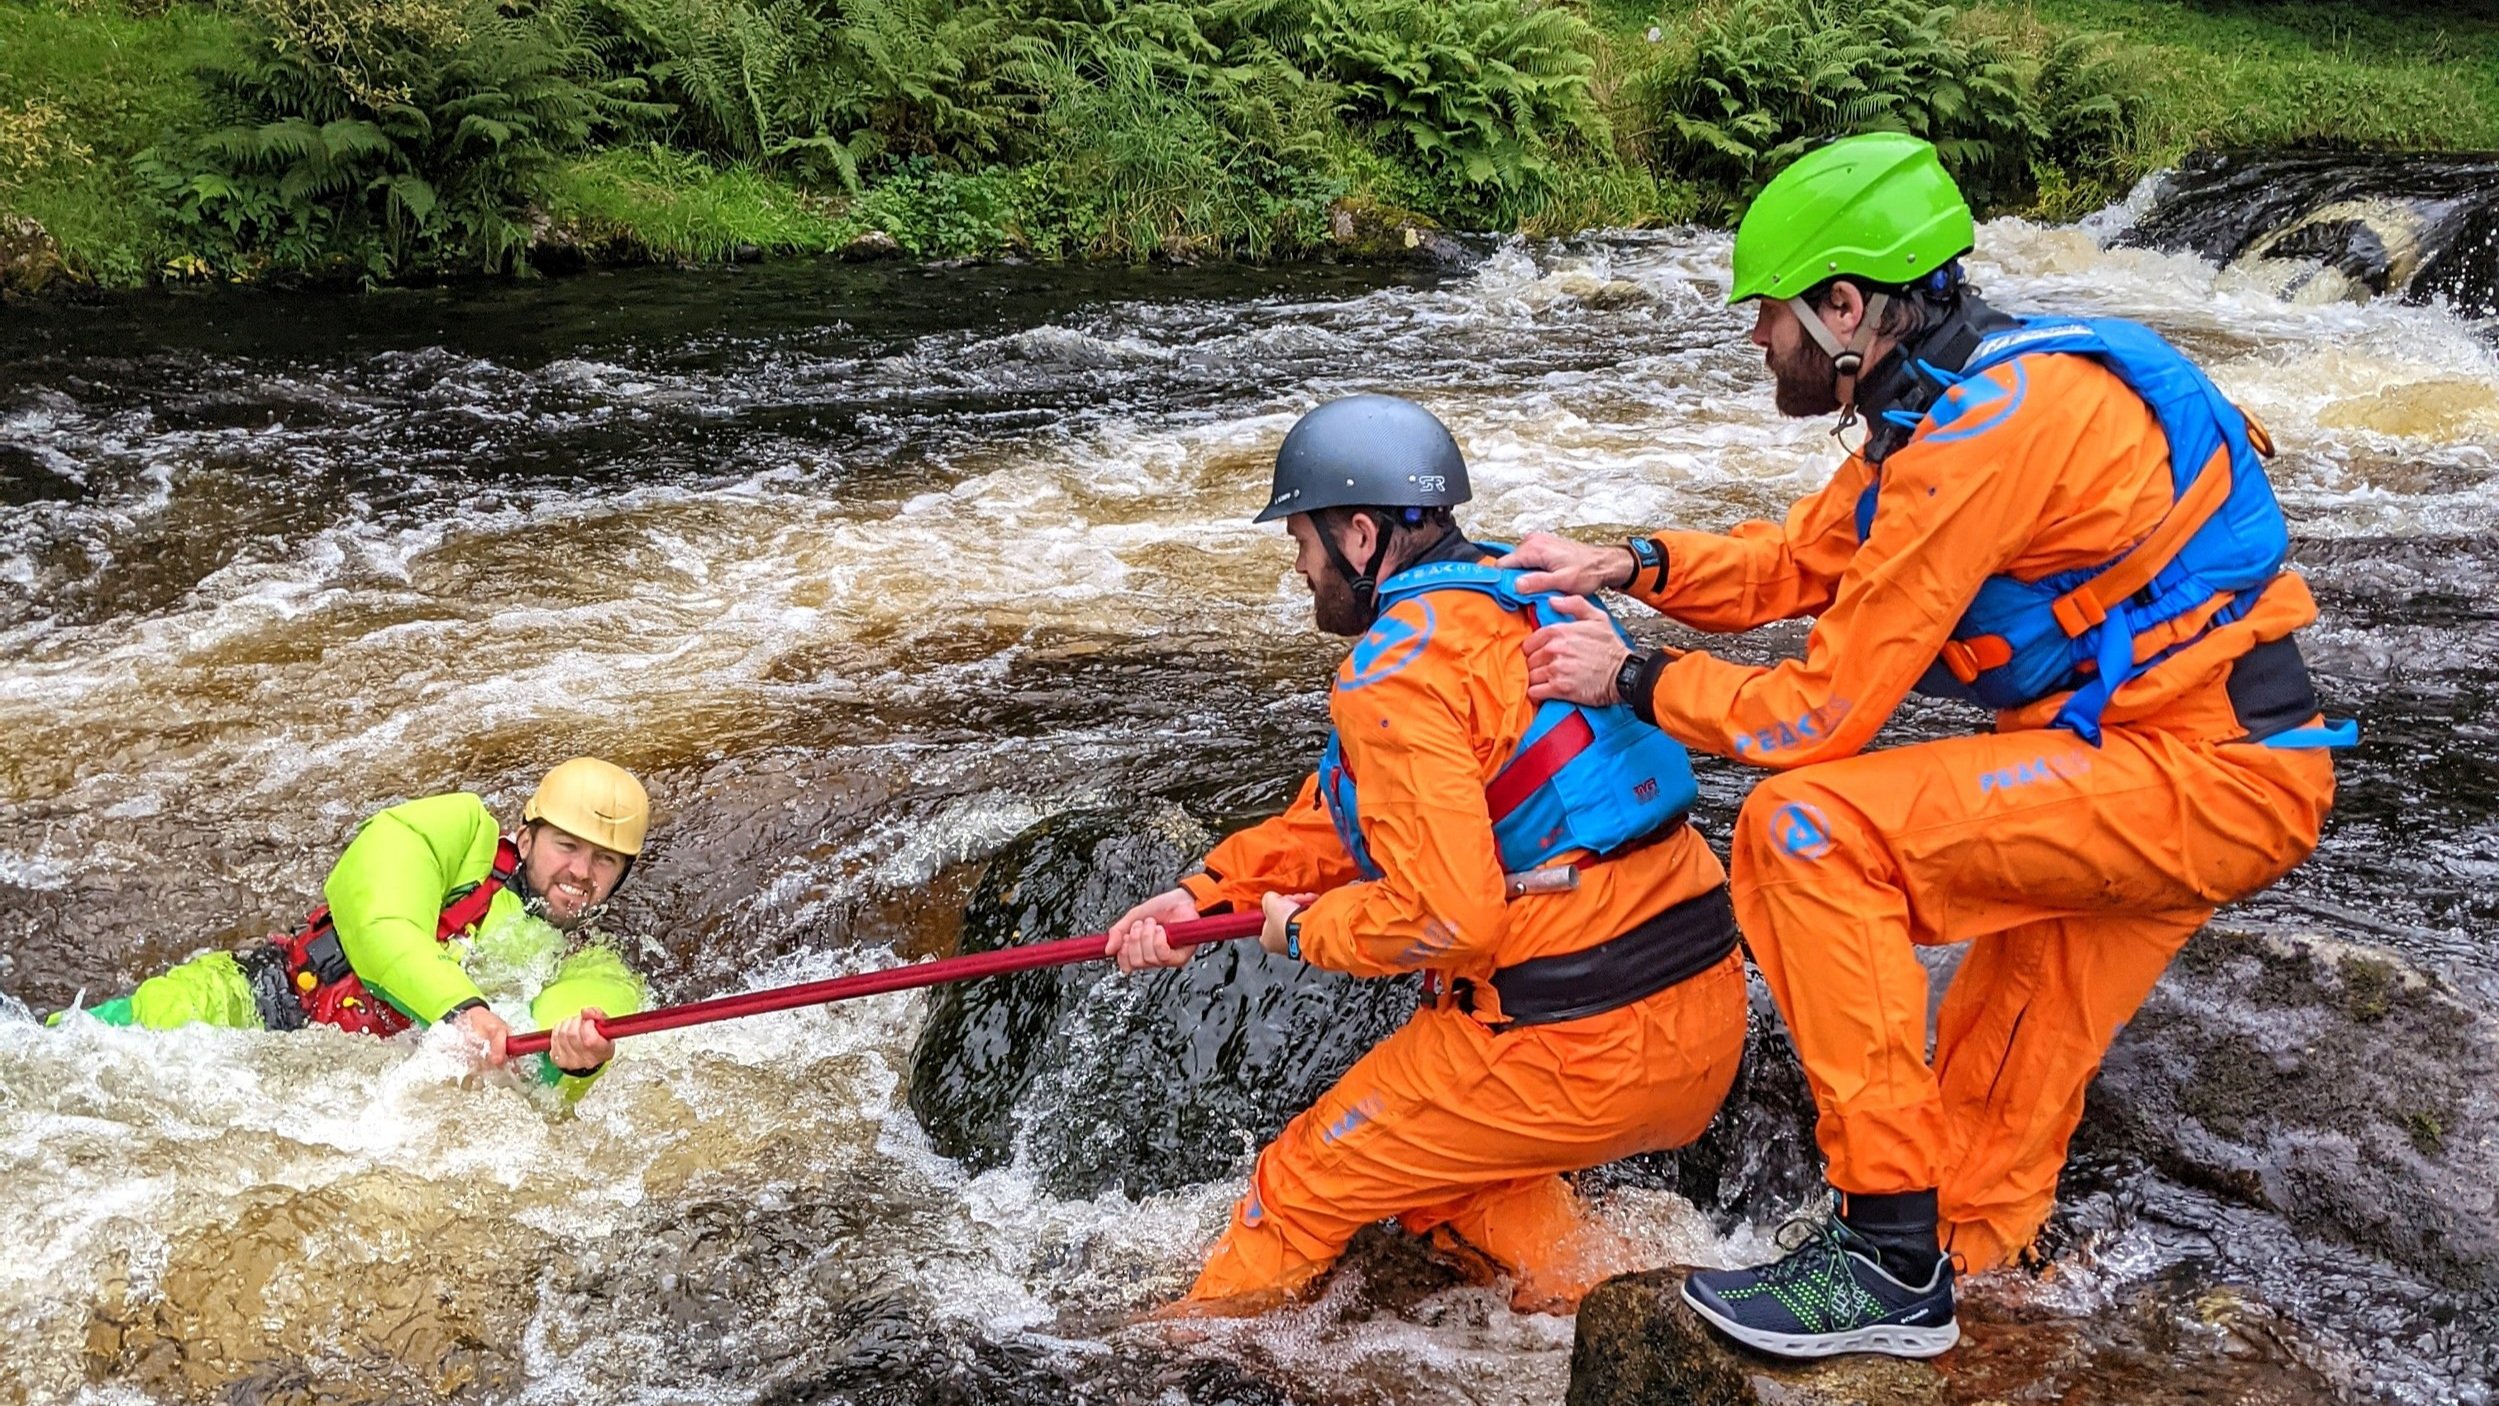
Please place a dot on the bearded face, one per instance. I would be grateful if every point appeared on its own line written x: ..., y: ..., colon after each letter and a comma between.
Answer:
x: 1336, y: 608
x: 569, y: 874
x: 1805, y: 380
x: 1333, y: 600
x: 1333, y: 603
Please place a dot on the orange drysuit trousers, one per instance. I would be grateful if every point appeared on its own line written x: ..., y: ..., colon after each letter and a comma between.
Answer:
x: 1446, y: 1124
x: 2076, y: 873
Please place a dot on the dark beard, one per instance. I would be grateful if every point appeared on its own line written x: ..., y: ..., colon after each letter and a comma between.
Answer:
x: 1806, y: 384
x: 1338, y: 610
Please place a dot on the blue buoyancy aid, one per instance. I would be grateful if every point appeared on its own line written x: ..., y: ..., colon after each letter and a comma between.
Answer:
x: 1582, y: 779
x: 2223, y: 538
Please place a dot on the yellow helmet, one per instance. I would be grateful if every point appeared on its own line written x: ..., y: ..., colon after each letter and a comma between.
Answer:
x: 595, y: 801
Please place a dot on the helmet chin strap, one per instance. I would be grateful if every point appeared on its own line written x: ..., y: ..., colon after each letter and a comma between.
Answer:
x: 1366, y: 582
x: 1848, y: 359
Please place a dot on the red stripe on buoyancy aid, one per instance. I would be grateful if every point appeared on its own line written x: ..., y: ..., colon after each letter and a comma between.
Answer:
x: 469, y: 909
x: 1537, y: 764
x: 1605, y: 778
x: 336, y: 996
x: 2223, y: 534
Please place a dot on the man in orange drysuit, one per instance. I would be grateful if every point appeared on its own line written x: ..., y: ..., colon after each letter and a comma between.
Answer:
x: 2065, y: 521
x: 1600, y: 1017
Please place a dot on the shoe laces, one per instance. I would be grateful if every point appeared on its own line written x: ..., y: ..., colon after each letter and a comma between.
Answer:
x: 1812, y: 1250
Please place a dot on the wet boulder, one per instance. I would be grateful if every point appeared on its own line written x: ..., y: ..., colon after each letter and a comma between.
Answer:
x: 2326, y: 224
x: 1362, y: 228
x: 2168, y: 1342
x: 1637, y: 1343
x: 2331, y: 1084
x: 1142, y: 1083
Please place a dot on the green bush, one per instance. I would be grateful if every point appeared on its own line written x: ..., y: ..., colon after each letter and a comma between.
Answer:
x: 821, y: 88
x: 1479, y: 92
x: 1756, y: 82
x: 379, y: 140
x: 85, y: 85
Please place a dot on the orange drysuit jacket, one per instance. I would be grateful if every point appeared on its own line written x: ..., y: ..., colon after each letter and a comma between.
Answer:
x: 1426, y: 732
x: 2079, y: 870
x: 2068, y: 478
x: 1447, y: 1124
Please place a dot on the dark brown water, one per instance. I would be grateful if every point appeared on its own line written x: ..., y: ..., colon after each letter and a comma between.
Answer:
x: 866, y: 570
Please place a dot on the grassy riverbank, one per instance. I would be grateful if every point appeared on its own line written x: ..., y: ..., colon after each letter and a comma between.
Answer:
x: 385, y: 139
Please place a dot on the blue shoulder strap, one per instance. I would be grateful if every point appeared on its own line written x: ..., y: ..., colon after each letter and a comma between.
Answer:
x: 1454, y: 575
x: 1501, y: 583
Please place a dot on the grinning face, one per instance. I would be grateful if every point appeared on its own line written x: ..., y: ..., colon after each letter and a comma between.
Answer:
x: 570, y: 875
x: 1332, y: 600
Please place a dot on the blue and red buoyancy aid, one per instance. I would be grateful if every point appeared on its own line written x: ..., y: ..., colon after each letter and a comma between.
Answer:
x: 2222, y: 540
x: 1584, y: 780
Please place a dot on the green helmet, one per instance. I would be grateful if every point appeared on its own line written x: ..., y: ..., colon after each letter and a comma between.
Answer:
x: 1878, y: 206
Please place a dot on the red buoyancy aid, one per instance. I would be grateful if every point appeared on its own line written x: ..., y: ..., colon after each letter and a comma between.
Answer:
x: 329, y: 989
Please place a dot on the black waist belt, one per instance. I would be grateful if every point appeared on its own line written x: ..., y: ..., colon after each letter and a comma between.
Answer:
x: 1674, y: 946
x: 2270, y: 690
x: 264, y: 967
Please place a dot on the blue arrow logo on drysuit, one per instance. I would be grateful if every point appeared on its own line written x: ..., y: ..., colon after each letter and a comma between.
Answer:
x: 1952, y: 415
x: 1396, y: 641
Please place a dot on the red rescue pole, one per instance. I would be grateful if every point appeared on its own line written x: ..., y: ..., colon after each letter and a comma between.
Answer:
x: 1066, y: 951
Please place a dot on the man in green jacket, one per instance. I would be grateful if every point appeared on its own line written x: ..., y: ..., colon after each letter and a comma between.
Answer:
x: 425, y: 894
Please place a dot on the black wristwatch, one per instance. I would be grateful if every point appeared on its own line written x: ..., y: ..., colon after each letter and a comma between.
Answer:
x: 1637, y: 679
x: 1646, y: 555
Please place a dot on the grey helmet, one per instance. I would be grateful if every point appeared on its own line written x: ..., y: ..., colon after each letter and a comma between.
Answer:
x: 1367, y: 451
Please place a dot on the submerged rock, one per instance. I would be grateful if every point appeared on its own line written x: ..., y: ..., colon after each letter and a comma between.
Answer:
x: 1142, y: 1083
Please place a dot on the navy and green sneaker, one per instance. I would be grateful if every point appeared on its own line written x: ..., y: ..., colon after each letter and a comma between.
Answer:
x: 1829, y: 1295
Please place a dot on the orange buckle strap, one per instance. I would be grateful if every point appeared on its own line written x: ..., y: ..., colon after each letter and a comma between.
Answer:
x: 1969, y: 658
x: 2085, y: 606
x: 2257, y: 437
x: 2078, y: 610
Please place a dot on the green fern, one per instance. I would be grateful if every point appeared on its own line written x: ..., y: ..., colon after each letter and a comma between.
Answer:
x: 818, y: 87
x: 1479, y: 91
x: 397, y: 151
x: 1756, y: 83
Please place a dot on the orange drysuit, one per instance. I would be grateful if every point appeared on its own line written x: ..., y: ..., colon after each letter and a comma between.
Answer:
x: 1448, y: 1123
x: 2079, y: 871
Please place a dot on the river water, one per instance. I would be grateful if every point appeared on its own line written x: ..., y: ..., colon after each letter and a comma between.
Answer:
x: 865, y: 570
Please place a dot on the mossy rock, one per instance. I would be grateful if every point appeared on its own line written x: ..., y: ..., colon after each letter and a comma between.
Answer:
x: 1362, y: 228
x: 30, y: 258
x: 2332, y: 1083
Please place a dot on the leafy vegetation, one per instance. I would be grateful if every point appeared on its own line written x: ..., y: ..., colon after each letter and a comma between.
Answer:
x: 379, y: 139
x: 387, y: 139
x: 1756, y: 82
x: 81, y: 89
x: 1478, y: 92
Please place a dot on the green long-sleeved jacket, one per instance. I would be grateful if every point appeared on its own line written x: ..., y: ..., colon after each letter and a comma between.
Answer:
x: 386, y: 896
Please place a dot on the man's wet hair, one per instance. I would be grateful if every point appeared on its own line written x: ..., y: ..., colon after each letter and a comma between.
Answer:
x: 1429, y: 524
